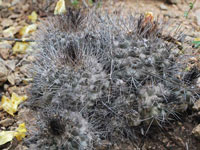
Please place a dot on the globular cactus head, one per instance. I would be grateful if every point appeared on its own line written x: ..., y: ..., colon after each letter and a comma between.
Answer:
x: 60, y: 130
x: 112, y: 73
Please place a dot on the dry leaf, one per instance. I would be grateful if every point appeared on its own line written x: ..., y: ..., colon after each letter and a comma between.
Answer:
x: 9, y: 32
x: 33, y: 17
x: 7, y: 136
x: 20, y: 47
x: 20, y: 132
x: 60, y: 7
x: 27, y: 30
x: 197, y: 39
x: 11, y: 105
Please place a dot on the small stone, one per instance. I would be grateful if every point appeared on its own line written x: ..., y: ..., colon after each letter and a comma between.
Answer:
x: 179, y: 123
x: 5, y: 87
x: 7, y: 122
x: 11, y: 78
x: 197, y: 105
x: 4, y: 49
x: 25, y: 7
x: 4, y: 53
x: 196, y: 131
x: 6, y: 22
x: 14, y: 2
x: 3, y: 128
x: 173, y: 1
x: 163, y: 7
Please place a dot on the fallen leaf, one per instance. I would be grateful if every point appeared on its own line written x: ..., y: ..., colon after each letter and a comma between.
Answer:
x: 6, y: 136
x: 20, y: 132
x: 9, y: 32
x: 197, y: 39
x: 60, y: 7
x: 27, y: 30
x: 33, y: 17
x: 196, y: 42
x: 20, y: 47
x: 11, y: 105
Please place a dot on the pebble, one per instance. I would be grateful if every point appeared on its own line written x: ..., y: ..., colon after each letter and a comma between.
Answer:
x: 4, y: 53
x: 4, y: 49
x: 196, y: 131
x: 6, y: 22
x: 173, y: 1
x: 7, y: 122
x: 197, y: 105
x: 163, y: 7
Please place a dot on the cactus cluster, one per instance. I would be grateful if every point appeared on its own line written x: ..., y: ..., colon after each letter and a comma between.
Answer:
x: 97, y: 77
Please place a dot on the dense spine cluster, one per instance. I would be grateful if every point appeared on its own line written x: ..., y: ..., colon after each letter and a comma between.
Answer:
x: 97, y: 77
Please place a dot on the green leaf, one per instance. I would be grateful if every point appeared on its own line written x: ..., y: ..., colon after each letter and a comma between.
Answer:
x: 196, y: 44
x: 75, y: 2
x: 191, y: 5
x: 90, y: 2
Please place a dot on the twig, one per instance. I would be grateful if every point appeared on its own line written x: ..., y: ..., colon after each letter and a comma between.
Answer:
x: 48, y: 5
x: 16, y: 40
x: 85, y: 4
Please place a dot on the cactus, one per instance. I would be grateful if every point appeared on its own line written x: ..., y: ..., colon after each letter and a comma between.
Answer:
x: 106, y: 75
